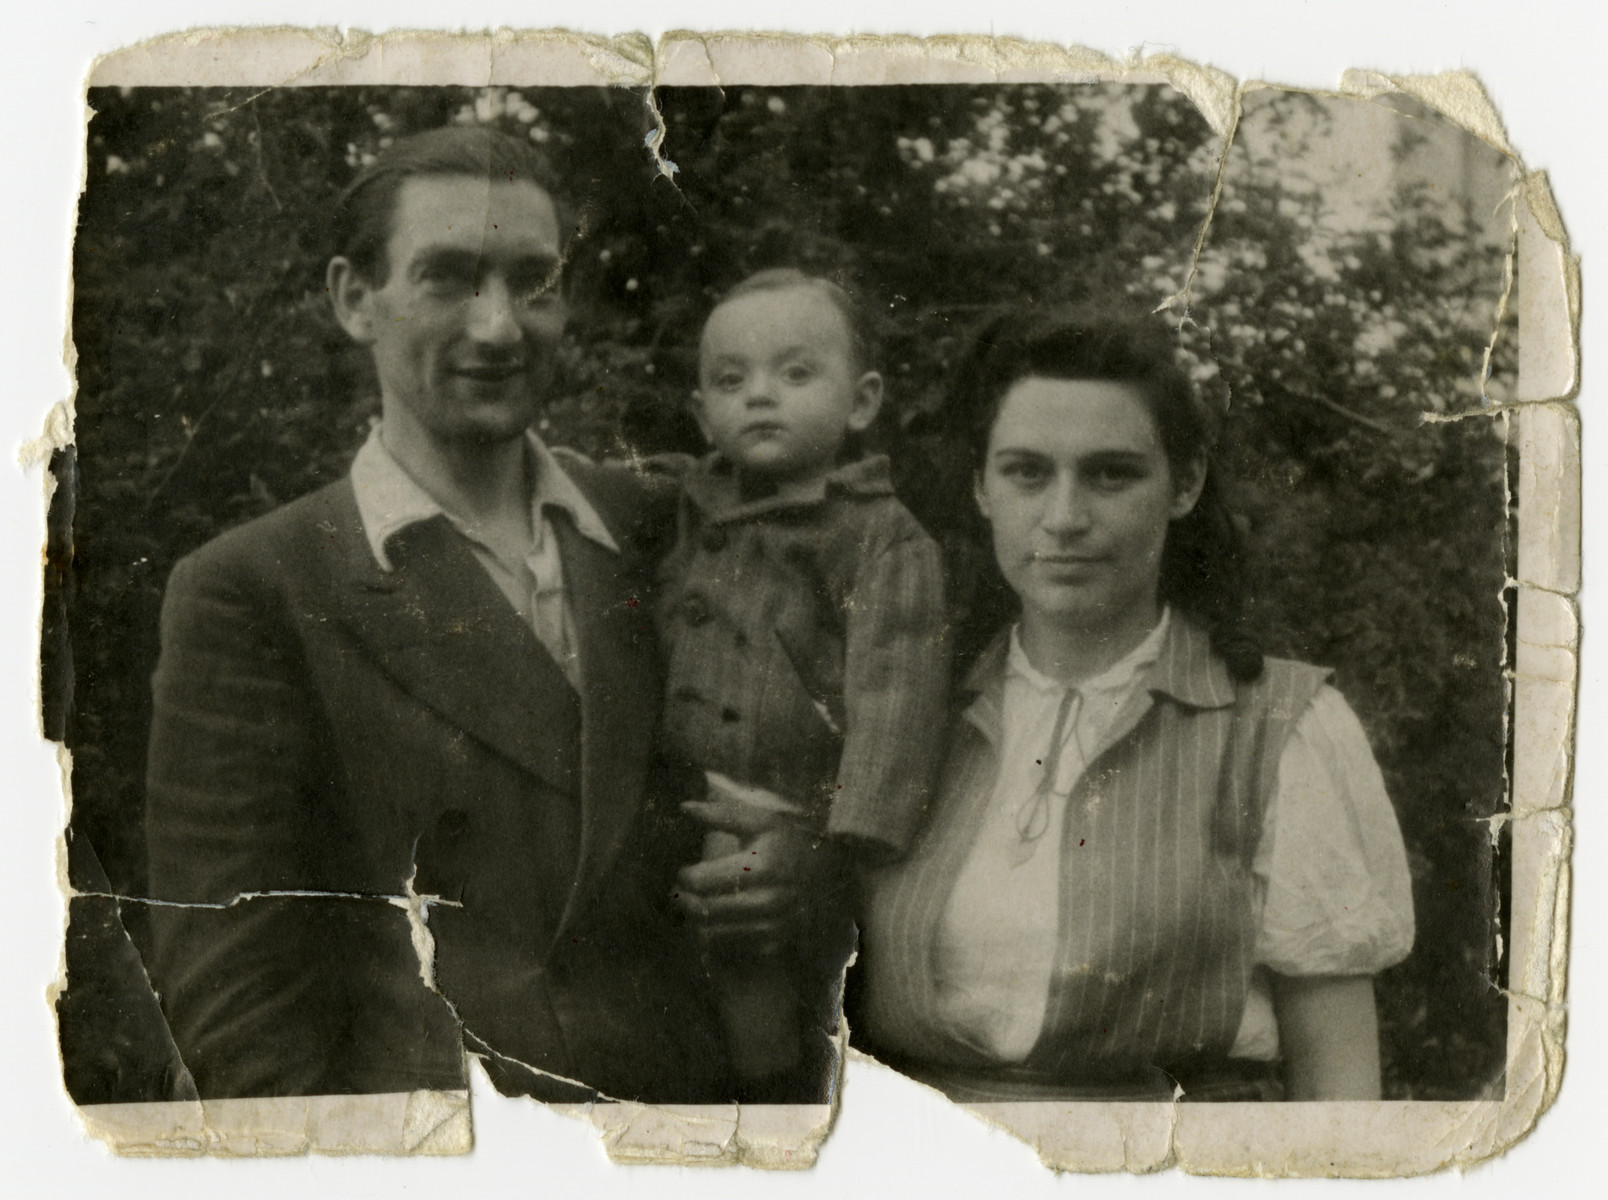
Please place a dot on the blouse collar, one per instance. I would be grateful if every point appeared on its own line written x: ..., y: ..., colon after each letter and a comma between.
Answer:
x: 1185, y: 669
x: 1118, y: 677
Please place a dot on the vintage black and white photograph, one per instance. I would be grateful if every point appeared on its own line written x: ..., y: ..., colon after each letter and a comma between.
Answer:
x: 545, y: 578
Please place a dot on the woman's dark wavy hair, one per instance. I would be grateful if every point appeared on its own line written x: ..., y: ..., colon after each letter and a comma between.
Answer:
x: 1203, y: 569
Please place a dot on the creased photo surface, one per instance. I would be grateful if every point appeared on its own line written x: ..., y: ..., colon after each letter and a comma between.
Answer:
x: 640, y: 582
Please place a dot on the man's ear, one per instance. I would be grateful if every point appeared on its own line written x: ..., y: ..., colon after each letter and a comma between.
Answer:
x: 352, y: 298
x: 1187, y: 489
x: 867, y: 402
x: 695, y: 406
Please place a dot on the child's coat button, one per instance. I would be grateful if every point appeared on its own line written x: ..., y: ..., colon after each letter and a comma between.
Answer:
x: 695, y: 610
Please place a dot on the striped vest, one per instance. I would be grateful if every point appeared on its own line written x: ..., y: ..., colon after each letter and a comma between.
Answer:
x: 1157, y: 912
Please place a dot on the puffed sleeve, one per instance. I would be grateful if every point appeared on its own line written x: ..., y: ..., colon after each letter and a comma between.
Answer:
x: 1338, y: 895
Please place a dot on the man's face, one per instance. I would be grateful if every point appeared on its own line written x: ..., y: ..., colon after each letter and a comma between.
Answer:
x: 465, y: 326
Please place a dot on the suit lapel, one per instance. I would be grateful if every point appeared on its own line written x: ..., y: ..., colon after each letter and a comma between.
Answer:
x: 440, y: 627
x: 619, y: 702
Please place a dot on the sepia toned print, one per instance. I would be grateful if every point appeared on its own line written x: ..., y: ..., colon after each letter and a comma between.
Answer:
x: 390, y: 494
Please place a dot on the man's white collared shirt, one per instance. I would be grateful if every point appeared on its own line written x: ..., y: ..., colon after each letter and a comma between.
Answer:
x: 389, y: 500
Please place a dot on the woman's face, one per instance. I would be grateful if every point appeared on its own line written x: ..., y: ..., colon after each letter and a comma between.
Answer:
x: 1077, y: 488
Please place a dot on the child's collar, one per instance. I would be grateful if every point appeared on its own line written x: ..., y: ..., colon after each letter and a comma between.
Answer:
x: 713, y: 486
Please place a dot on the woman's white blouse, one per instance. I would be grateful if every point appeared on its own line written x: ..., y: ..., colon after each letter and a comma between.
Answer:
x: 1330, y: 869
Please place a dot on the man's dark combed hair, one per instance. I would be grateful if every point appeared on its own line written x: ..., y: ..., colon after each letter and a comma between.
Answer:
x: 1203, y: 568
x: 364, y: 211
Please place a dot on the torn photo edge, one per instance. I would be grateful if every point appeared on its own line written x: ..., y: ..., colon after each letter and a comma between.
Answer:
x: 1388, y: 1138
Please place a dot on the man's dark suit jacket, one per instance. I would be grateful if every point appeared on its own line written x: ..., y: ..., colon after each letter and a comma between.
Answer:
x: 322, y: 726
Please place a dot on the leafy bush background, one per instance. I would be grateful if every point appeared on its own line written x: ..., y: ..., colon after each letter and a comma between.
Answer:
x: 1323, y: 317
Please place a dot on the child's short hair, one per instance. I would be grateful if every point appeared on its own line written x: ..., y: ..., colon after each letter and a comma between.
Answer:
x: 775, y: 279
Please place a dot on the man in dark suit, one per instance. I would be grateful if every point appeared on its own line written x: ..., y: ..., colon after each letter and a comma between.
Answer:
x: 402, y: 792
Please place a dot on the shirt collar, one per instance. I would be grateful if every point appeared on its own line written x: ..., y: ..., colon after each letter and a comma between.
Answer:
x: 712, y: 485
x: 1185, y: 669
x: 1115, y: 678
x: 389, y: 500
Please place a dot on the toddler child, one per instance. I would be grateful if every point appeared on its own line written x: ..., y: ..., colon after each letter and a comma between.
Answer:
x: 803, y: 618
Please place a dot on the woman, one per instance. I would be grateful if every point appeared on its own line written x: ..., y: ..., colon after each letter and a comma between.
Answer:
x: 1156, y: 856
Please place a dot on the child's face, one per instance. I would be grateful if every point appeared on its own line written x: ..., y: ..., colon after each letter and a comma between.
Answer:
x: 778, y: 384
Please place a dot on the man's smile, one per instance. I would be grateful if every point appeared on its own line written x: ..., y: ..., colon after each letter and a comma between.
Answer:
x: 490, y: 372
